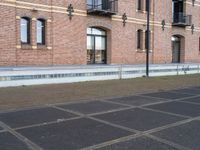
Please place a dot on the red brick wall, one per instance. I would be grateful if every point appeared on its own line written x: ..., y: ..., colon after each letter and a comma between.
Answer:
x: 66, y: 40
x: 7, y: 36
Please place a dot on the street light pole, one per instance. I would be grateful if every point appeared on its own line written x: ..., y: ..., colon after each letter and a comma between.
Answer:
x: 148, y: 37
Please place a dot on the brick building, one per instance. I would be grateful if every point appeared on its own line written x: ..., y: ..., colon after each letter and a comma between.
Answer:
x: 60, y: 32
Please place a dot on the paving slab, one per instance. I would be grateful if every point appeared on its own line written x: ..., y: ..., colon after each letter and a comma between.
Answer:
x: 73, y: 134
x: 136, y: 100
x: 139, y: 119
x: 10, y: 142
x: 197, y: 87
x: 178, y: 108
x: 142, y: 143
x: 92, y: 107
x: 187, y: 135
x: 188, y: 91
x: 168, y: 95
x: 33, y: 116
x: 194, y: 100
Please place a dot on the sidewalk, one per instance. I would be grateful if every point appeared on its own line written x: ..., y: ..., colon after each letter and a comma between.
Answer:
x: 29, y: 96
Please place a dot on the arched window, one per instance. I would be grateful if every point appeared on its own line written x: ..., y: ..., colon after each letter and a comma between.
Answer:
x: 41, y: 35
x: 25, y: 30
x: 139, y: 39
x: 96, y: 45
x: 139, y: 5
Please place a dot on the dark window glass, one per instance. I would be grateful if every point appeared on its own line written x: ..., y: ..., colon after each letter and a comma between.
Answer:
x: 139, y: 4
x: 25, y: 30
x: 96, y: 46
x: 139, y: 39
x: 40, y: 31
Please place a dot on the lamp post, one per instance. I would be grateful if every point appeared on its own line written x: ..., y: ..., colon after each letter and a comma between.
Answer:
x: 147, y: 36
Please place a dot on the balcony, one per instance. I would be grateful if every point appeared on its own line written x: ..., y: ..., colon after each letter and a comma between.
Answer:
x: 181, y: 19
x: 102, y: 7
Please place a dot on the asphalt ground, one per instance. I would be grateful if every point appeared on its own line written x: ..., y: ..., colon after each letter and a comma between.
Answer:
x: 162, y: 120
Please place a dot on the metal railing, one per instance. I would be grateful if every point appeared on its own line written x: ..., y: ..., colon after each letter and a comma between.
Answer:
x: 182, y: 18
x: 103, y: 5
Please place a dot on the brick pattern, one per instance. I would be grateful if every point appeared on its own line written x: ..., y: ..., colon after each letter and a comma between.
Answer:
x: 66, y: 40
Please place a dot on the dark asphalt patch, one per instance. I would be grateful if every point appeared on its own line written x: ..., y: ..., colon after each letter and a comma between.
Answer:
x: 10, y: 142
x: 197, y: 87
x: 73, y: 134
x: 91, y: 107
x: 142, y: 143
x: 136, y: 100
x: 34, y: 116
x: 1, y: 129
x: 168, y: 95
x: 194, y: 100
x: 139, y: 119
x: 178, y: 108
x: 187, y: 135
x: 188, y: 91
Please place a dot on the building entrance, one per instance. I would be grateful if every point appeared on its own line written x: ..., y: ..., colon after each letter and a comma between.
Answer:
x: 176, y: 49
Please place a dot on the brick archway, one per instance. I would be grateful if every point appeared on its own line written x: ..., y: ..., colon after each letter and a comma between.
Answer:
x: 178, y: 44
x: 100, y: 24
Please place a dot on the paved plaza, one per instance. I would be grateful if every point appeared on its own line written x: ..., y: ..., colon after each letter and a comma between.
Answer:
x: 163, y: 120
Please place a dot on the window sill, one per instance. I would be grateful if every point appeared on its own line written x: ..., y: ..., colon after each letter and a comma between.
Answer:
x: 26, y: 46
x: 139, y: 11
x: 41, y: 47
x: 143, y: 12
x: 143, y: 51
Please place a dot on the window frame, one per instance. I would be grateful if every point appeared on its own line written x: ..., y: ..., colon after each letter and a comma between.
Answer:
x: 139, y: 5
x: 139, y: 39
x: 28, y: 30
x: 43, y: 31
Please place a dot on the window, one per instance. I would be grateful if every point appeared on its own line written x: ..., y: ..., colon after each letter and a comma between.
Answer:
x: 41, y: 31
x: 96, y: 46
x: 139, y: 5
x: 25, y: 30
x: 139, y: 39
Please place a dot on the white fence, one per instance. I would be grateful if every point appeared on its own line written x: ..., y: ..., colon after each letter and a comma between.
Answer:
x: 53, y: 75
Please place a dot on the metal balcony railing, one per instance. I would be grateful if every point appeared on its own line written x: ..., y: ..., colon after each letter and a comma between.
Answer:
x: 102, y: 7
x: 181, y: 19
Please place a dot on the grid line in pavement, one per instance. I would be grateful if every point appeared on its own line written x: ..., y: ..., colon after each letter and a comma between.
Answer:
x: 133, y: 132
x: 22, y: 138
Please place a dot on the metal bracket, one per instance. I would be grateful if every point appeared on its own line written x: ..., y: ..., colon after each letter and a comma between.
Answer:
x: 163, y: 25
x: 70, y: 11
x: 192, y: 28
x: 124, y: 18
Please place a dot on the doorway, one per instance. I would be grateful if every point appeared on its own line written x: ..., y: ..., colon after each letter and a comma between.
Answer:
x: 176, y: 49
x: 96, y: 46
